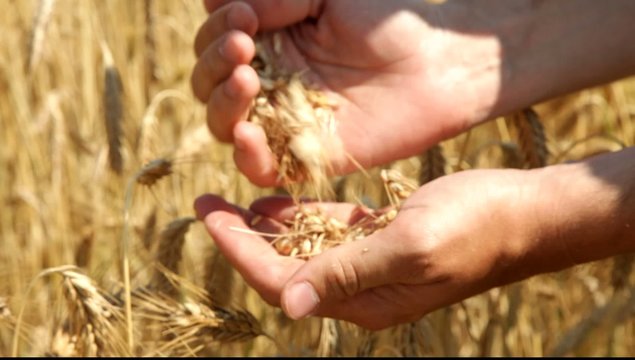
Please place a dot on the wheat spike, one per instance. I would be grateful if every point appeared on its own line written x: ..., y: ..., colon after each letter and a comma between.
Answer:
x: 168, y: 254
x: 63, y: 344
x: 94, y: 320
x: 148, y: 233
x: 219, y: 279
x: 189, y: 324
x: 113, y: 109
x: 150, y: 47
x: 154, y: 171
x: 512, y: 158
x: 432, y: 164
x: 84, y: 250
x: 531, y: 137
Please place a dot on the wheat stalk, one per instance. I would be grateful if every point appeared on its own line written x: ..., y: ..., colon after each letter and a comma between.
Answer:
x: 36, y: 42
x: 330, y: 339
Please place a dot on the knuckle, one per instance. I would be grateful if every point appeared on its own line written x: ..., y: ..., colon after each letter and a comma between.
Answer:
x: 198, y: 87
x: 215, y: 125
x: 343, y: 279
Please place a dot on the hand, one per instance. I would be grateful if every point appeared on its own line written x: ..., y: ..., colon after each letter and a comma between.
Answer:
x: 454, y: 238
x: 400, y: 79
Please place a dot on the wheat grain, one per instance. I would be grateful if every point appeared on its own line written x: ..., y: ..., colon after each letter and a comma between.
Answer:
x: 311, y: 231
x: 297, y: 120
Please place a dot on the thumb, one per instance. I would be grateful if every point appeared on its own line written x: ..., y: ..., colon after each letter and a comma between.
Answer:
x: 277, y: 14
x: 327, y: 282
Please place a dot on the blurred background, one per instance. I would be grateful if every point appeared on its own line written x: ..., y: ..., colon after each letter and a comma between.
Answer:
x: 91, y: 92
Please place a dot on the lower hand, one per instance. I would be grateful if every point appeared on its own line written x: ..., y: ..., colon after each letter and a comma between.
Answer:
x: 456, y: 237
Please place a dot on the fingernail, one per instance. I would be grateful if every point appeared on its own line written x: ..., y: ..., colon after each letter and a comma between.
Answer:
x: 300, y: 300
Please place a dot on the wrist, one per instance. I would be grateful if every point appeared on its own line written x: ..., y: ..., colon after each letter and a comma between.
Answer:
x: 584, y: 212
x: 559, y: 47
x: 519, y: 53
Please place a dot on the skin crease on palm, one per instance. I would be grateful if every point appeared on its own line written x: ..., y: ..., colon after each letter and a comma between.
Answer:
x: 459, y: 235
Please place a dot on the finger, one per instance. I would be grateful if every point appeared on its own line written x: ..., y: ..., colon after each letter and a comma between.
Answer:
x: 233, y: 16
x: 391, y: 305
x: 205, y: 204
x: 276, y: 14
x: 251, y: 255
x: 341, y: 273
x: 252, y: 155
x: 219, y: 60
x: 282, y: 208
x: 230, y: 101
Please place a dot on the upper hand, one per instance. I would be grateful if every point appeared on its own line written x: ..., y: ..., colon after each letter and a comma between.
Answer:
x: 396, y: 75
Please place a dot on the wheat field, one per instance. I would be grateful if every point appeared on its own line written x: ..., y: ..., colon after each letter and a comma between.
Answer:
x: 104, y: 150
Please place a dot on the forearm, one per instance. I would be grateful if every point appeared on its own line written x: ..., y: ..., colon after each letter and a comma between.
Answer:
x: 513, y: 54
x: 587, y: 212
x: 568, y: 45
